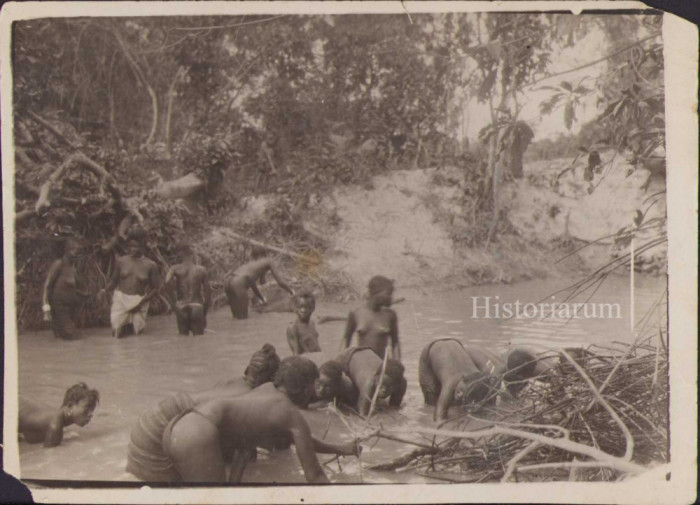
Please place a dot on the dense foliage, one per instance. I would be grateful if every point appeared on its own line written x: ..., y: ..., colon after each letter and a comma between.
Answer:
x: 290, y: 105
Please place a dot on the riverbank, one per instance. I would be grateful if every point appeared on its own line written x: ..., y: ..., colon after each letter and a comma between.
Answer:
x: 411, y: 225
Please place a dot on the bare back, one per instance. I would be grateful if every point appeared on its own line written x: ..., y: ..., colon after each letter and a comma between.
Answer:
x: 254, y: 270
x: 189, y: 282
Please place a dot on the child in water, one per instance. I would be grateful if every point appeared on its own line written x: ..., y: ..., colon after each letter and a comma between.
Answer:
x: 302, y: 335
x: 375, y: 322
x: 38, y: 423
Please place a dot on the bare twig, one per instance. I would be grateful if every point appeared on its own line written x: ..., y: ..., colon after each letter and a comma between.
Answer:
x: 378, y: 387
x: 514, y: 461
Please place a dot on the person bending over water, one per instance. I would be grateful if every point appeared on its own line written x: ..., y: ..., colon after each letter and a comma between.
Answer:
x: 147, y: 458
x: 38, y: 423
x: 450, y: 372
x: 375, y: 322
x: 204, y: 438
x: 189, y: 293
x: 62, y: 298
x: 302, y: 335
x: 247, y: 276
x: 364, y: 367
x: 447, y: 373
x: 136, y: 280
x: 332, y: 384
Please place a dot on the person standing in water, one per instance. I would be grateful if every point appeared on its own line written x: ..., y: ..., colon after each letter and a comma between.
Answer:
x: 302, y: 335
x: 62, y: 298
x: 39, y: 423
x: 248, y: 276
x: 136, y: 280
x: 376, y: 324
x: 189, y: 293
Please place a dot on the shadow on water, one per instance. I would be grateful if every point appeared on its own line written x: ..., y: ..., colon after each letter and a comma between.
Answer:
x: 132, y: 374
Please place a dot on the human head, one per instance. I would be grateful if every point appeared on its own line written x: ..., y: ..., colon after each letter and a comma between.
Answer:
x: 380, y: 290
x: 476, y: 387
x: 330, y: 379
x: 262, y: 367
x: 185, y: 252
x: 136, y: 241
x: 71, y: 247
x: 304, y: 305
x: 80, y: 402
x: 520, y: 366
x: 393, y: 378
x: 297, y: 375
x: 258, y: 252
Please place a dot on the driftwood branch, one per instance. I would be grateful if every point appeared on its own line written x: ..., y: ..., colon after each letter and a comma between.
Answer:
x: 567, y: 445
x: 236, y: 236
x: 378, y: 387
x: 628, y: 436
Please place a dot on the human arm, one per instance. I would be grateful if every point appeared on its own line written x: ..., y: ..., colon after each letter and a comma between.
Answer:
x: 279, y: 280
x: 113, y: 281
x: 253, y: 286
x: 51, y: 277
x: 397, y: 396
x: 305, y: 449
x: 54, y: 432
x: 207, y: 292
x: 352, y: 448
x: 447, y: 394
x: 350, y: 328
x: 152, y: 289
x: 394, y: 334
x: 169, y: 285
x: 293, y: 340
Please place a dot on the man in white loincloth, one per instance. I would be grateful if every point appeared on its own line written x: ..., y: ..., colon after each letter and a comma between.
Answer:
x: 136, y: 280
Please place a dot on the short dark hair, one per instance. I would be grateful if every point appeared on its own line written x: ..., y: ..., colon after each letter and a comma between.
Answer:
x: 137, y: 234
x: 394, y: 369
x: 81, y: 391
x: 379, y: 283
x: 296, y: 374
x: 332, y: 369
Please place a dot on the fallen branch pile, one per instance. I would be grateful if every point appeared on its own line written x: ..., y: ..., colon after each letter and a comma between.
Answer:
x: 599, y: 417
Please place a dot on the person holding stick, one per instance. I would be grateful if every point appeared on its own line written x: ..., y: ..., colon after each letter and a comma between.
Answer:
x: 364, y: 368
x: 375, y: 323
x: 248, y: 276
x: 135, y: 281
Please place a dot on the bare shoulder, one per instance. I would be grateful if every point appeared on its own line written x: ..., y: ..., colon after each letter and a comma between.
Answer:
x: 200, y: 270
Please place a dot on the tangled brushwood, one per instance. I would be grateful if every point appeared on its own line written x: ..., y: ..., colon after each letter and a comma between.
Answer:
x: 600, y: 414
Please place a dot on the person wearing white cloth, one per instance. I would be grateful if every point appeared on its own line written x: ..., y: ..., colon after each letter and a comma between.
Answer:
x: 136, y: 280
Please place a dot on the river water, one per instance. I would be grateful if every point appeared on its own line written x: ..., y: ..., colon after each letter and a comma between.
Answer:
x: 133, y: 374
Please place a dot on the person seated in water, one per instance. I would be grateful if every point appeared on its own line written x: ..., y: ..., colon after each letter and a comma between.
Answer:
x: 136, y: 280
x: 201, y: 440
x: 61, y: 298
x: 364, y: 368
x: 375, y: 322
x: 189, y: 293
x: 302, y: 335
x: 146, y: 458
x: 248, y: 276
x: 39, y: 423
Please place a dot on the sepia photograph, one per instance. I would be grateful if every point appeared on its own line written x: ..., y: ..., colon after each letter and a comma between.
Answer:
x: 438, y: 251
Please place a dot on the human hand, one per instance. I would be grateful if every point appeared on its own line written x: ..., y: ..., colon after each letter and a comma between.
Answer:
x: 352, y: 448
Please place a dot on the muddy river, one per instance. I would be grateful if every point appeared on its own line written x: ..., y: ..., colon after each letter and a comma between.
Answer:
x: 133, y: 374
